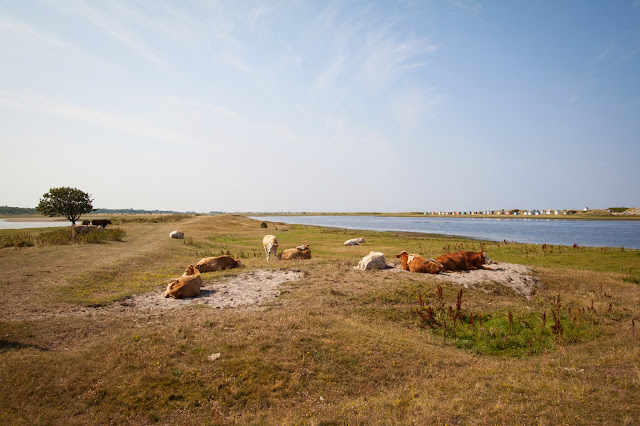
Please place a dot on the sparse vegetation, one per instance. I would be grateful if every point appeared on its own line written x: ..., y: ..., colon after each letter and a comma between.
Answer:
x: 337, y: 347
x: 60, y: 236
x: 152, y: 218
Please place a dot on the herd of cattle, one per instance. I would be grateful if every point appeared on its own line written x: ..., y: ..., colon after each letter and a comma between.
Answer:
x: 88, y: 226
x: 190, y: 283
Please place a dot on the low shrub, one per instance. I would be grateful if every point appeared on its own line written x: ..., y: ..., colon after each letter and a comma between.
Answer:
x: 95, y: 237
x: 153, y: 219
x: 17, y: 240
x: 60, y: 236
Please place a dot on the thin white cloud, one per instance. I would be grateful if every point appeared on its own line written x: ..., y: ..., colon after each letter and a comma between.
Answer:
x: 257, y: 13
x: 28, y: 30
x: 410, y: 108
x: 467, y: 6
x: 114, y: 28
x: 388, y: 58
x: 326, y: 79
x: 604, y: 52
x: 41, y: 104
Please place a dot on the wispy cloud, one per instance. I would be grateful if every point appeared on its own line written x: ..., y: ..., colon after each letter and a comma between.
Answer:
x: 468, y: 6
x: 115, y: 28
x: 388, y: 56
x: 410, y: 108
x: 26, y: 29
x: 124, y: 123
x: 367, y: 51
x: 604, y: 52
x: 255, y: 14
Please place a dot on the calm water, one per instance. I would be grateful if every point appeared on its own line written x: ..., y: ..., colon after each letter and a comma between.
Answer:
x: 594, y: 233
x: 21, y: 225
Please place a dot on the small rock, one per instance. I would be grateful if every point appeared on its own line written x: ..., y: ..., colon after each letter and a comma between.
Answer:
x: 214, y: 357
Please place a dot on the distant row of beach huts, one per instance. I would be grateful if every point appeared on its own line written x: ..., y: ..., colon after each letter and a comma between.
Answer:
x: 515, y: 212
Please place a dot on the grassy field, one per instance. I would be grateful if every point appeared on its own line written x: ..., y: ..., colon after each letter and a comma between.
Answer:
x: 338, y: 346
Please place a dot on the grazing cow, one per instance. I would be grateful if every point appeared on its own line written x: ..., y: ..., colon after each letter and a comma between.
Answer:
x: 354, y: 242
x: 83, y: 229
x: 86, y: 222
x: 374, y: 260
x: 270, y: 243
x: 417, y: 263
x: 178, y: 235
x: 101, y: 222
x: 209, y: 264
x: 464, y: 260
x: 188, y: 285
x: 300, y: 252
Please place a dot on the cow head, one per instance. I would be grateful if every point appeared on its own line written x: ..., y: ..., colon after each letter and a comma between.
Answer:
x: 486, y: 258
x: 191, y: 270
x: 405, y: 260
x: 433, y: 266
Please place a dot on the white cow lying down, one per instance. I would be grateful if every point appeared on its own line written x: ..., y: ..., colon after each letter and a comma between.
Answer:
x: 354, y: 242
x: 374, y: 260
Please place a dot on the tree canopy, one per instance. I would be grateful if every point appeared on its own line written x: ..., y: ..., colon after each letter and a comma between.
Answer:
x: 68, y: 202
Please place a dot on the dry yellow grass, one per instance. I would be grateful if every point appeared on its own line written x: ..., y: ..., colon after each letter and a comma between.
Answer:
x: 337, y: 347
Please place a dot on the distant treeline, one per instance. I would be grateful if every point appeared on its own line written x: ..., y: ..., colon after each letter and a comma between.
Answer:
x: 135, y: 211
x: 5, y: 210
x: 17, y: 210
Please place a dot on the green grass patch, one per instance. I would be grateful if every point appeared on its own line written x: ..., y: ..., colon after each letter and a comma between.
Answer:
x: 153, y: 219
x: 18, y: 240
x: 510, y: 333
x: 105, y: 286
x: 60, y: 236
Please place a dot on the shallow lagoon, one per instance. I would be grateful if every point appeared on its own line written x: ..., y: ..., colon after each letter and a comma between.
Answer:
x: 593, y: 233
x: 4, y: 224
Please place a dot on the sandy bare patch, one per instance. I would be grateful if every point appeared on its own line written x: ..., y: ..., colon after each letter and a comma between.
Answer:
x: 251, y: 289
x: 519, y: 278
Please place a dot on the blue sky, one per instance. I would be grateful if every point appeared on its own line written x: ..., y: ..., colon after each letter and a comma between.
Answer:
x: 320, y: 105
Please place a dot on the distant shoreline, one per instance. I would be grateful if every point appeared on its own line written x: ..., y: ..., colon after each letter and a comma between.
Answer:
x: 579, y: 216
x: 478, y: 216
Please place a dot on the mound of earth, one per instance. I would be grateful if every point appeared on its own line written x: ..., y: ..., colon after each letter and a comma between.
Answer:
x: 519, y: 278
x: 251, y: 289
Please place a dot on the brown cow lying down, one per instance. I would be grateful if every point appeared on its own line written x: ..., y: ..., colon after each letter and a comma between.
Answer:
x: 83, y: 229
x: 464, y: 260
x: 300, y: 252
x: 188, y: 285
x: 417, y: 263
x: 209, y: 264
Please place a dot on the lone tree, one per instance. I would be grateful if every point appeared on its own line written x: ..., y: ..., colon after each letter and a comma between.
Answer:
x: 68, y: 202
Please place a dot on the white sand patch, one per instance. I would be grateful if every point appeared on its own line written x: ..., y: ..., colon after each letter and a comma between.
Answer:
x: 519, y: 278
x: 251, y: 289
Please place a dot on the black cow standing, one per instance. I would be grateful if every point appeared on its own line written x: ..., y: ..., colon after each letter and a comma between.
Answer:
x: 101, y: 222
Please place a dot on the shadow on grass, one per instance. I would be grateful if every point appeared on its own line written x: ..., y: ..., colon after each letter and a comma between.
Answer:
x: 7, y: 345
